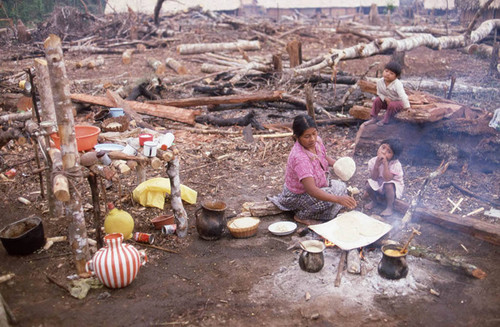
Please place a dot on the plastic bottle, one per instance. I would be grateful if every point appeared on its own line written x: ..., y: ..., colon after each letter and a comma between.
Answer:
x: 166, y: 141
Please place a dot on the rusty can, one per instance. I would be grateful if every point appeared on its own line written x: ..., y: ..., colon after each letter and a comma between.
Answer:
x: 169, y: 229
x: 144, y: 237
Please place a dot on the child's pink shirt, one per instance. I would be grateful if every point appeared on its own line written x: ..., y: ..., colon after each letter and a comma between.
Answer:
x: 303, y: 163
x: 395, y: 168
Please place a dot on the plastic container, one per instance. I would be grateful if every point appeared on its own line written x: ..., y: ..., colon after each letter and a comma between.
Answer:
x: 116, y: 112
x: 144, y: 138
x: 86, y: 137
x: 150, y: 148
x: 166, y: 141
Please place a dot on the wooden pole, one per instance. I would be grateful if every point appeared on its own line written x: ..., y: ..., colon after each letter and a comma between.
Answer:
x: 77, y: 233
x: 94, y: 189
x: 309, y: 100
x: 175, y: 197
x: 48, y: 114
x: 343, y: 257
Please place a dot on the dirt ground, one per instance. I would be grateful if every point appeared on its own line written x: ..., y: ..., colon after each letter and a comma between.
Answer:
x: 256, y: 281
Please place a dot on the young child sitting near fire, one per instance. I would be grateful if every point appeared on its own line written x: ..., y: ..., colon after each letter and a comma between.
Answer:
x: 386, y: 176
x: 391, y: 95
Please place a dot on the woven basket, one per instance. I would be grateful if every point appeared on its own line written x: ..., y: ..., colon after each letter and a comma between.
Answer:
x: 243, y: 232
x: 120, y: 122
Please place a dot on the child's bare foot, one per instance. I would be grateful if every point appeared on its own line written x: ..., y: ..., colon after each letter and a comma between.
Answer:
x: 387, y: 212
x: 306, y: 222
x: 370, y: 205
x: 381, y: 123
x: 371, y: 121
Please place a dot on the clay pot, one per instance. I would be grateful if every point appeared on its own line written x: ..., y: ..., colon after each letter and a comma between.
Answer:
x: 210, y: 220
x: 311, y: 258
x: 160, y: 221
x: 393, y: 264
x: 116, y: 265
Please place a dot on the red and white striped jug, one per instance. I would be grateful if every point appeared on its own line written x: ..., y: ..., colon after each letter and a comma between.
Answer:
x: 116, y: 265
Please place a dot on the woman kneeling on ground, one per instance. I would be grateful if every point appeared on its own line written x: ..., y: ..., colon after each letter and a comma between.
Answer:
x: 308, y: 191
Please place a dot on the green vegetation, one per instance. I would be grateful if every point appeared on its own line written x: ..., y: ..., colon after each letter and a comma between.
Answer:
x: 35, y: 11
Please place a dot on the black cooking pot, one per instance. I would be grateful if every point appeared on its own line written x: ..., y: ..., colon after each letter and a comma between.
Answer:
x: 24, y: 236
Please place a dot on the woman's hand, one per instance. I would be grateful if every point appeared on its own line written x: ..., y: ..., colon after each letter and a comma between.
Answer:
x: 346, y: 201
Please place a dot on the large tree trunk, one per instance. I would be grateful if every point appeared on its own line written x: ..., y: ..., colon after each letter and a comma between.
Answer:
x: 178, y: 114
x: 388, y: 45
x: 185, y: 49
x: 65, y: 121
x: 227, y: 99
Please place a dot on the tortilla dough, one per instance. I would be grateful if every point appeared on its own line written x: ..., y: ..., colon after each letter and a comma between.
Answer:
x: 344, y: 168
x: 371, y: 229
x: 346, y: 234
x: 347, y: 220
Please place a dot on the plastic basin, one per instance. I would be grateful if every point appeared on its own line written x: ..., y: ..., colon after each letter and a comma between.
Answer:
x: 86, y: 137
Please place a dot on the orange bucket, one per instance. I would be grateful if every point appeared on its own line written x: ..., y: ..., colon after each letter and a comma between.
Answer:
x: 86, y: 137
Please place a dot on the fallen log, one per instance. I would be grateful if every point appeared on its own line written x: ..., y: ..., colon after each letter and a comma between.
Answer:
x: 467, y: 268
x: 172, y: 113
x: 129, y: 112
x: 229, y: 99
x: 184, y: 49
x: 471, y: 226
x: 389, y: 45
x: 157, y: 65
x: 15, y: 117
x: 248, y: 119
x: 176, y: 66
x: 90, y: 62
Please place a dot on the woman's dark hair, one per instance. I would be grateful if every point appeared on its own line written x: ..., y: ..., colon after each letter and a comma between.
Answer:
x: 395, y: 146
x: 394, y: 67
x: 301, y: 123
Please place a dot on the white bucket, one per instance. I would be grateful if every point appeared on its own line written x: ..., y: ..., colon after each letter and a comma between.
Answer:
x: 150, y: 148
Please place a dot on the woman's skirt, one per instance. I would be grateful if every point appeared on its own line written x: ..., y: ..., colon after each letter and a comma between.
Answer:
x: 308, y: 207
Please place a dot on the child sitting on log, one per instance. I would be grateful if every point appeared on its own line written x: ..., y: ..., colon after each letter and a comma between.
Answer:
x: 391, y: 95
x: 386, y: 176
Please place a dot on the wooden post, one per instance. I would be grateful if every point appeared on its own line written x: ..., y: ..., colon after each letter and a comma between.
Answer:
x: 309, y: 100
x: 294, y: 49
x: 94, y: 189
x: 48, y: 115
x: 175, y: 197
x: 277, y: 62
x: 77, y: 233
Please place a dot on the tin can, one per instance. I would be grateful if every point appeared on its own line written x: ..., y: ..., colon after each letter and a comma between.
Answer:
x: 144, y: 237
x: 11, y: 173
x: 169, y: 229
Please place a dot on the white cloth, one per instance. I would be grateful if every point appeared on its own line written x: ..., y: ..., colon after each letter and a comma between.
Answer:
x: 396, y: 169
x: 395, y: 91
